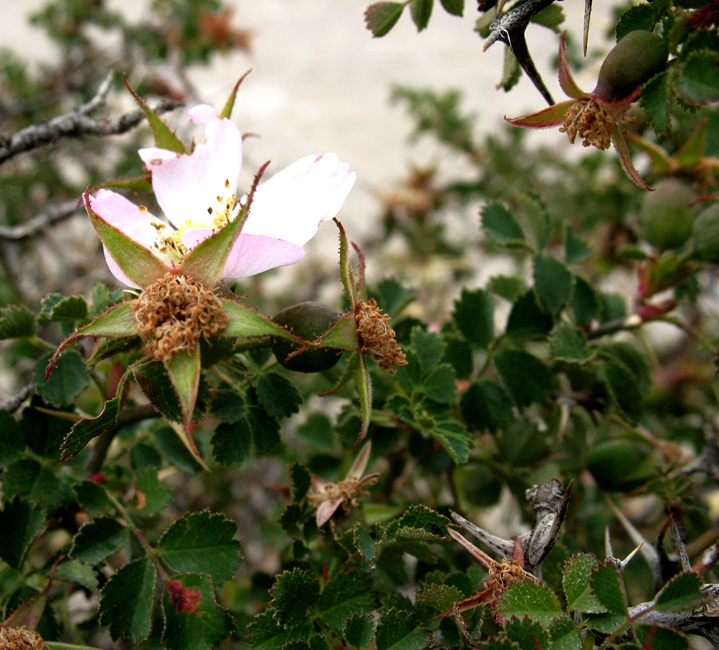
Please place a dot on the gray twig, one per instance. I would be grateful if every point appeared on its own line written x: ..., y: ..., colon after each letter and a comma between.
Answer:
x: 36, y: 225
x: 13, y: 403
x: 76, y: 124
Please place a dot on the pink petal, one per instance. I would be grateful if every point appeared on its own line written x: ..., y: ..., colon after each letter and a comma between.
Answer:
x: 251, y: 254
x: 552, y: 116
x: 325, y: 511
x: 292, y: 204
x: 127, y: 217
x: 188, y: 185
x: 566, y: 80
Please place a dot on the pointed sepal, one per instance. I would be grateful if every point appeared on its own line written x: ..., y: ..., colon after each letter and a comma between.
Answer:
x: 184, y: 372
x: 566, y: 80
x: 346, y: 273
x: 246, y: 322
x: 164, y: 136
x: 116, y: 322
x: 226, y: 112
x: 342, y: 335
x: 620, y: 144
x: 544, y: 119
x: 364, y: 390
x: 207, y: 260
x: 136, y: 262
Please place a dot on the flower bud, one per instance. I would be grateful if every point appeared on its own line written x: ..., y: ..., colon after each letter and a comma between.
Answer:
x: 308, y: 321
x: 631, y: 63
x: 666, y: 215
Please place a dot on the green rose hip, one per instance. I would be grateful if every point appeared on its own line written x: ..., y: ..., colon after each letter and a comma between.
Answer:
x: 705, y: 235
x: 667, y: 215
x: 308, y: 321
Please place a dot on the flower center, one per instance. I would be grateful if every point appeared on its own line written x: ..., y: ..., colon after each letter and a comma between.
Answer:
x: 590, y: 121
x: 169, y: 244
x: 376, y: 336
x: 20, y: 638
x: 174, y: 312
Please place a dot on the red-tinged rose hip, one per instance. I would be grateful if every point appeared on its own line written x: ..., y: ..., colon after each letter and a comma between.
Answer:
x: 308, y: 321
x: 630, y: 64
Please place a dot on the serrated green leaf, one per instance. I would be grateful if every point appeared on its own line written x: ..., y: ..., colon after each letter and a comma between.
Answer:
x: 585, y: 302
x: 127, y: 600
x: 87, y: 429
x: 91, y: 497
x: 265, y: 429
x: 76, y: 572
x: 527, y: 320
x: 622, y: 386
x: 655, y: 100
x: 99, y: 539
x: 640, y: 17
x: 358, y: 630
x: 21, y: 522
x: 428, y: 347
x: 267, y: 633
x: 423, y: 518
x: 552, y: 17
x: 294, y: 594
x: 500, y: 225
x: 438, y: 596
x: 66, y: 309
x: 398, y: 630
x: 511, y: 71
x: 535, y: 601
x: 278, y: 395
x: 564, y: 634
x: 553, y: 283
x: 474, y: 315
x: 381, y: 17
x: 697, y: 79
x: 681, y: 593
x: 29, y: 479
x: 392, y: 296
x: 67, y: 380
x: 509, y: 287
x: 576, y: 585
x: 345, y: 594
x: 16, y: 321
x: 364, y: 543
x: 523, y: 444
x: 486, y: 405
x: 12, y: 443
x: 656, y: 637
x: 150, y: 496
x: 454, y: 437
x: 421, y: 11
x: 454, y: 7
x: 439, y: 384
x: 539, y: 220
x: 567, y: 344
x: 232, y: 443
x: 193, y: 619
x: 607, y: 588
x: 575, y: 250
x: 202, y: 542
x: 301, y: 481
x: 527, y: 634
x: 525, y: 377
x: 169, y: 443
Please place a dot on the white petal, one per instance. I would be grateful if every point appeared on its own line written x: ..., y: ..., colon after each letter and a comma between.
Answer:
x: 293, y: 203
x: 187, y: 186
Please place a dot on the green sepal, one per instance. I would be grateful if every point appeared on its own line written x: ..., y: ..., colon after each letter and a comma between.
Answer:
x: 364, y: 390
x: 342, y: 335
x: 246, y: 322
x: 117, y: 322
x: 164, y: 137
x: 207, y: 260
x: 346, y: 274
x: 135, y: 261
x: 135, y: 184
x: 184, y: 372
x: 226, y: 112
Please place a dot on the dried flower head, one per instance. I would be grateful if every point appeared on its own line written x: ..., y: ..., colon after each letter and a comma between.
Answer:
x: 20, y: 638
x: 592, y: 122
x: 377, y: 338
x: 174, y: 312
x: 327, y: 497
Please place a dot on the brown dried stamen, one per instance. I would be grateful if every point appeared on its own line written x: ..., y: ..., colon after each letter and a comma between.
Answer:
x: 20, y: 638
x: 590, y: 121
x: 174, y: 312
x: 377, y: 338
x: 346, y: 491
